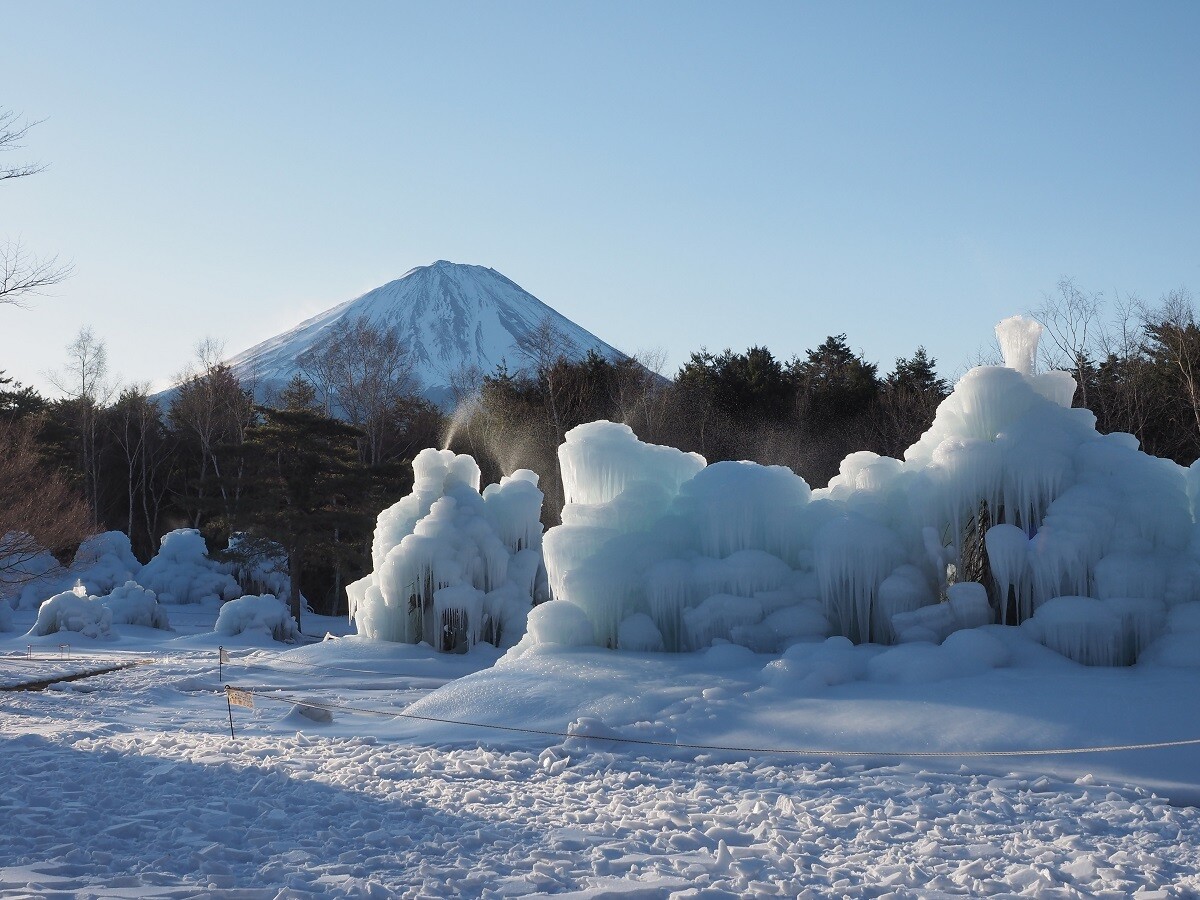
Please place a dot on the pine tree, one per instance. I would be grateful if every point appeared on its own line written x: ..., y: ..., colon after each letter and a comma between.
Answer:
x: 304, y: 488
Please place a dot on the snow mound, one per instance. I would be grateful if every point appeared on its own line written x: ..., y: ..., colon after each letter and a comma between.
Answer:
x: 132, y: 604
x: 105, y: 561
x: 453, y: 567
x: 101, y: 563
x: 263, y: 613
x: 183, y: 573
x: 304, y: 715
x: 561, y: 623
x: 27, y: 578
x: 73, y: 611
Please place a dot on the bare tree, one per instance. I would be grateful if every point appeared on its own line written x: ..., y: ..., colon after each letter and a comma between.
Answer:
x: 363, y: 372
x: 134, y: 423
x: 214, y: 409
x: 85, y: 382
x: 1174, y: 338
x: 39, y: 511
x: 1071, y: 320
x: 640, y: 391
x: 21, y: 273
x: 541, y: 348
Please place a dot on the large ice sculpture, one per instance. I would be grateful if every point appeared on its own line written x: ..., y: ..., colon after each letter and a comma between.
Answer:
x: 1010, y: 500
x: 452, y: 566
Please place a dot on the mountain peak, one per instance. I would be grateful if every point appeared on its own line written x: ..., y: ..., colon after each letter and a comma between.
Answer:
x: 452, y: 317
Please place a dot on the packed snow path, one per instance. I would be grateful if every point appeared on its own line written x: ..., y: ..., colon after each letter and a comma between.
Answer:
x: 134, y: 789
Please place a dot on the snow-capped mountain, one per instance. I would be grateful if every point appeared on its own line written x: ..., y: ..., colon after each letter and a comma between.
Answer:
x: 452, y: 317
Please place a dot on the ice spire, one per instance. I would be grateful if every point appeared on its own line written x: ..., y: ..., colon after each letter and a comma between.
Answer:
x: 1018, y: 338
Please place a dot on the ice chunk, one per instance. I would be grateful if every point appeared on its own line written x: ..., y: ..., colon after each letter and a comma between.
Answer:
x: 458, y: 610
x: 451, y: 566
x: 854, y: 556
x: 1142, y: 621
x: 1008, y: 556
x: 600, y: 459
x: 968, y: 601
x: 737, y: 506
x: 966, y: 607
x: 905, y: 590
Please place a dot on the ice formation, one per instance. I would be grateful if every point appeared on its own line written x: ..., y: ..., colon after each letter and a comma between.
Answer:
x: 28, y: 579
x: 451, y: 566
x: 261, y: 612
x: 258, y: 566
x: 183, y: 573
x: 1010, y: 509
x: 73, y: 611
x: 132, y: 604
x: 101, y: 563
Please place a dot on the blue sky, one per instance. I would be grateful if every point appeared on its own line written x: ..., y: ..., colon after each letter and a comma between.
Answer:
x: 669, y: 175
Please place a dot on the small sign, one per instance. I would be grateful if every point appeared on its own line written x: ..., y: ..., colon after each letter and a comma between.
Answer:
x: 238, y: 697
x: 224, y: 655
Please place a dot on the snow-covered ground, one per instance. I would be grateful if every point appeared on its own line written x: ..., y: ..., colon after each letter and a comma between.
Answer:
x: 129, y: 785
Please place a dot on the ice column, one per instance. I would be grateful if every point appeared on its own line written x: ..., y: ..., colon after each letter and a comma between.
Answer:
x: 1018, y: 338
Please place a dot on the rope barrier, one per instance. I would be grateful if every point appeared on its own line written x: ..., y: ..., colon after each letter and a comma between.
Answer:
x: 890, y: 754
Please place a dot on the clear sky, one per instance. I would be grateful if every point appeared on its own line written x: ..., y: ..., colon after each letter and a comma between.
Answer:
x: 669, y: 175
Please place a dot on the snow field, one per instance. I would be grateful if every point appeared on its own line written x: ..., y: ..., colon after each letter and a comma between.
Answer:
x: 141, y: 812
x: 128, y: 785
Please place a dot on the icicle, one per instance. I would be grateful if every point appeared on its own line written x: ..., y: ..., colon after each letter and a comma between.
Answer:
x: 854, y: 555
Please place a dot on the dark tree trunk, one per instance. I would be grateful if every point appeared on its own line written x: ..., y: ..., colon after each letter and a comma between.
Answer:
x: 294, y: 566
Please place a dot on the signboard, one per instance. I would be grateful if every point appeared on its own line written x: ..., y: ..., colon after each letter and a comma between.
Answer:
x: 237, y: 697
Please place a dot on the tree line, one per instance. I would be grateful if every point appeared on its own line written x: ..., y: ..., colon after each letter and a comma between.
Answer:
x: 311, y: 469
x: 1137, y: 366
x: 307, y: 471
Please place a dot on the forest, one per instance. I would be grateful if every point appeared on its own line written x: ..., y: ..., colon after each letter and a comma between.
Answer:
x: 310, y: 469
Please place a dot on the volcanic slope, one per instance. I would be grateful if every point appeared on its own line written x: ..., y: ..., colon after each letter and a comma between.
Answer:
x: 452, y: 317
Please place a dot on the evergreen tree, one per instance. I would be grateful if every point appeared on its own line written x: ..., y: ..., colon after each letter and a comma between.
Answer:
x: 305, y: 487
x: 18, y: 402
x: 835, y: 383
x: 918, y: 375
x: 906, y: 403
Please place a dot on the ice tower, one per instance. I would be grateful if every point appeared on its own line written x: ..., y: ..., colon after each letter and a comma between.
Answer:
x: 453, y: 567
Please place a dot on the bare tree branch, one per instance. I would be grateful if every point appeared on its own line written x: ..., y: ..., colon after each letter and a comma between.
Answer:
x: 12, y: 132
x: 22, y: 274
